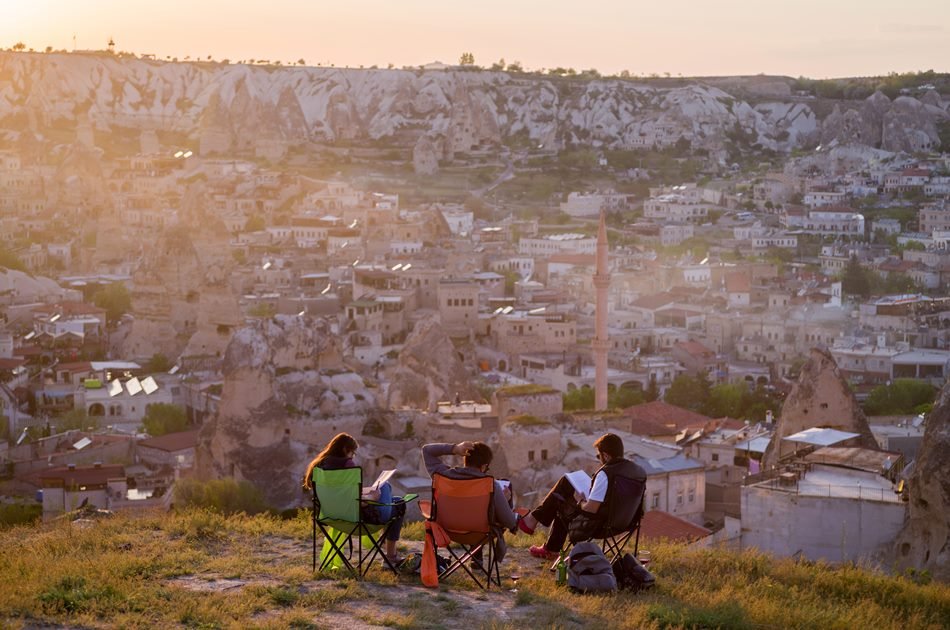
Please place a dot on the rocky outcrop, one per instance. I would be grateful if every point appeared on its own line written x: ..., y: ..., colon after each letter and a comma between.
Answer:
x: 904, y: 124
x: 924, y: 543
x: 821, y: 398
x: 277, y: 407
x: 180, y: 296
x: 429, y: 369
x: 254, y: 108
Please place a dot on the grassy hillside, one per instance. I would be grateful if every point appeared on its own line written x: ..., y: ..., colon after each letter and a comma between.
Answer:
x: 198, y: 569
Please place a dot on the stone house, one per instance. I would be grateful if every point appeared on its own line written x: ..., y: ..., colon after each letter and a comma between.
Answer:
x: 458, y: 305
x: 533, y: 400
x: 67, y: 488
x: 676, y: 485
x: 529, y: 441
x: 174, y: 450
x: 821, y: 512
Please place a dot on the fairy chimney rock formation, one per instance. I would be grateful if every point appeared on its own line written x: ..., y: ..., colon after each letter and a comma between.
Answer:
x: 430, y: 369
x: 820, y: 399
x: 924, y: 543
x: 277, y: 403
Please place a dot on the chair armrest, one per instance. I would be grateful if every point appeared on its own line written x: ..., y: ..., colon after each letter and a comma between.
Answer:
x: 425, y: 506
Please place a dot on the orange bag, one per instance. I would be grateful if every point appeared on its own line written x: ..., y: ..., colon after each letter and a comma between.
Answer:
x: 429, y: 571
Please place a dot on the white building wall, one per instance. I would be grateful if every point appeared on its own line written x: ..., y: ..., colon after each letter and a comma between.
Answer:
x: 818, y: 528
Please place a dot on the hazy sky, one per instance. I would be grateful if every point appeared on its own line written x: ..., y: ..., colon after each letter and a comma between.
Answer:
x: 815, y: 38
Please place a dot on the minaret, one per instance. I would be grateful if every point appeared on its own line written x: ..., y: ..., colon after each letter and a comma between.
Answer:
x: 601, y: 343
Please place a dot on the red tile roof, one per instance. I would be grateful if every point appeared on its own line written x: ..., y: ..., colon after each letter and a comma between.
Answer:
x: 649, y: 428
x: 738, y: 282
x: 83, y: 475
x: 172, y: 442
x: 654, y: 301
x: 665, y: 414
x: 695, y: 349
x: 573, y: 259
x: 659, y: 525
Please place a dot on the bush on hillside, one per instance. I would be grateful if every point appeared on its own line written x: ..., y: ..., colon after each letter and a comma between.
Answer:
x: 226, y: 496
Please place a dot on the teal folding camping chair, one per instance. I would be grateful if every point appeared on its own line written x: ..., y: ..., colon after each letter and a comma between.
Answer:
x: 336, y: 512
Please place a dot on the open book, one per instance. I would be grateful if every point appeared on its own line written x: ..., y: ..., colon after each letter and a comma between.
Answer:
x: 580, y: 480
x: 384, y: 476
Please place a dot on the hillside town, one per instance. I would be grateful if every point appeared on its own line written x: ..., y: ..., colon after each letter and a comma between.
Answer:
x: 180, y: 307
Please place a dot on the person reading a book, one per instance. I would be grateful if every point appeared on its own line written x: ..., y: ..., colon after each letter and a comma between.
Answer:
x: 578, y: 503
x: 476, y: 462
x: 338, y: 454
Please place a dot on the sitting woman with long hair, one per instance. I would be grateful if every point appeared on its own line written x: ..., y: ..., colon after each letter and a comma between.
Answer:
x: 339, y: 454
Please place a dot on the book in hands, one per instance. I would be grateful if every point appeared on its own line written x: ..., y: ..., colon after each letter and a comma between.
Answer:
x: 580, y: 480
x: 384, y: 476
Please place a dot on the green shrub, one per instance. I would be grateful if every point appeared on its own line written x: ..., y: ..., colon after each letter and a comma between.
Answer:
x: 19, y: 514
x: 225, y: 496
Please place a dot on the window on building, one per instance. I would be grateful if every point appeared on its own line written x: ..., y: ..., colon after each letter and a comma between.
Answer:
x: 715, y: 457
x: 692, y: 495
x: 655, y: 503
x: 530, y: 456
x: 679, y: 498
x: 544, y: 453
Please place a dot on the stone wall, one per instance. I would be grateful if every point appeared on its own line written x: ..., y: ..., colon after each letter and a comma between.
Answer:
x: 543, y: 404
x: 817, y: 528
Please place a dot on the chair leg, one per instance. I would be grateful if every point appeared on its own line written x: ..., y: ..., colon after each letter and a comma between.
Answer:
x: 337, y: 550
x: 460, y: 562
x: 376, y: 544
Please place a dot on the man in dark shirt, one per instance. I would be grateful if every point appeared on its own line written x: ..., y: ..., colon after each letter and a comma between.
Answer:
x: 476, y: 460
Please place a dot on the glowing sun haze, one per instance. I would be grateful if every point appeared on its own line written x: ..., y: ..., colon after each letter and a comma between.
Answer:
x: 826, y: 38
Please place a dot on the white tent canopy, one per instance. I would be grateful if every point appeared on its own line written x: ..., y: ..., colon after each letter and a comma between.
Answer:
x: 821, y: 437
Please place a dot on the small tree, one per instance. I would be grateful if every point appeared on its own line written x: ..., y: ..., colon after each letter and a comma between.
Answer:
x: 225, y: 496
x: 254, y: 223
x: 162, y: 418
x: 903, y: 396
x: 159, y: 363
x: 652, y: 391
x: 467, y: 59
x: 76, y: 418
x: 854, y: 280
x: 581, y: 398
x: 688, y: 392
x: 115, y: 299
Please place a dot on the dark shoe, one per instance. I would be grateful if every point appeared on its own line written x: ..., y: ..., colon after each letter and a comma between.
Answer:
x: 541, y: 552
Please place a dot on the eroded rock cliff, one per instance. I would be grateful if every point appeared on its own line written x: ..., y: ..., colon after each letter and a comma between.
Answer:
x: 253, y: 108
x: 277, y: 406
x: 924, y: 543
x: 430, y: 368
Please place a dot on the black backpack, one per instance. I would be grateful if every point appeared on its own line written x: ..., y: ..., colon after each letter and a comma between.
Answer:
x: 589, y: 571
x: 631, y: 575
